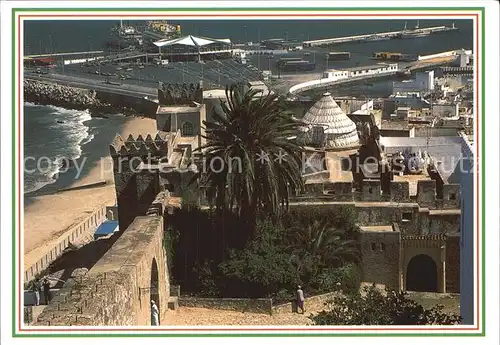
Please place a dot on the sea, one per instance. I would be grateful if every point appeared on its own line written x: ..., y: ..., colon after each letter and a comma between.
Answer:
x: 52, y: 134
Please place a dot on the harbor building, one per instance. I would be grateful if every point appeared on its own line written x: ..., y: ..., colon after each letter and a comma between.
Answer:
x: 193, y: 48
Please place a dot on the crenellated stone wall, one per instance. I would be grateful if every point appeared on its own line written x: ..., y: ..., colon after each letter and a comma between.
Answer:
x: 137, y: 184
x: 371, y: 191
x: 172, y: 94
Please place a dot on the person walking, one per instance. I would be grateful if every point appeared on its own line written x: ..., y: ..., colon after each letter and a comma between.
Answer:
x: 46, y: 290
x: 37, y: 289
x: 300, y: 299
x: 154, y: 314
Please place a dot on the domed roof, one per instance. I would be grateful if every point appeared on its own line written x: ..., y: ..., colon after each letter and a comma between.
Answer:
x: 326, y: 113
x: 325, y: 124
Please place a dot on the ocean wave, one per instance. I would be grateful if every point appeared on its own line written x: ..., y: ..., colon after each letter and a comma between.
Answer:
x: 45, y: 175
x: 87, y: 140
x: 70, y: 134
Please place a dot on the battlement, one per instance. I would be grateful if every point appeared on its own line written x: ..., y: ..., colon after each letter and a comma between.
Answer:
x: 372, y: 191
x: 140, y: 146
x: 428, y: 191
x: 424, y: 241
x: 171, y: 94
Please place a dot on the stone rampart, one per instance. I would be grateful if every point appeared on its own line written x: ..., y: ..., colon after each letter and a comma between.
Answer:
x: 117, y: 291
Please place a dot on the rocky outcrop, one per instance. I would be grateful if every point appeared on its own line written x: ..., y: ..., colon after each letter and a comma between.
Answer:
x: 70, y: 98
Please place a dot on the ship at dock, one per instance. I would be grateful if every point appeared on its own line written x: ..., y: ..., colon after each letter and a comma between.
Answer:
x: 127, y: 36
x: 295, y: 65
x: 124, y: 36
x: 416, y: 32
x: 157, y: 30
x: 338, y: 56
x: 391, y: 56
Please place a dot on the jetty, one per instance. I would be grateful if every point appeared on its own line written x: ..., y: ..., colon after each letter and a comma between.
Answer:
x: 92, y: 52
x: 377, y: 36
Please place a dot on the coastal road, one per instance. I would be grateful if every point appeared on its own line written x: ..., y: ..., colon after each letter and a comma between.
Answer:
x: 95, y: 84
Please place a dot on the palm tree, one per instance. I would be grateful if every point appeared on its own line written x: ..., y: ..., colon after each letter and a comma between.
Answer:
x: 253, y: 164
x: 327, y: 246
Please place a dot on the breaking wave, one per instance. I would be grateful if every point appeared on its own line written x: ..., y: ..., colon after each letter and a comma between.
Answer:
x: 52, y: 135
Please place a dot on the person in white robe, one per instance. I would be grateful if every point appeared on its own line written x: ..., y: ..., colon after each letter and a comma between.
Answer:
x: 154, y: 314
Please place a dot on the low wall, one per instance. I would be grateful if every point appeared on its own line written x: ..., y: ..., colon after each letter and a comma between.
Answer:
x: 257, y: 305
x: 438, y: 55
x: 319, y: 83
x: 313, y: 302
x: 86, y: 226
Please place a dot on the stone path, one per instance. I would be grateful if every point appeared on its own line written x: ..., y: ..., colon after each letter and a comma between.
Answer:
x: 210, y: 317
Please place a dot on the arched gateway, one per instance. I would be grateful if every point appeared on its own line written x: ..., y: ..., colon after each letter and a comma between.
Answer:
x: 422, y: 274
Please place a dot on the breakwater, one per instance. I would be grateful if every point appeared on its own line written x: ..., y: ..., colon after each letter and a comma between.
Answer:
x: 67, y: 97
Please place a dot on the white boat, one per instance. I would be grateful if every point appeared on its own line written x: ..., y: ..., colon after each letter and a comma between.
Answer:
x: 377, y: 38
x: 412, y: 34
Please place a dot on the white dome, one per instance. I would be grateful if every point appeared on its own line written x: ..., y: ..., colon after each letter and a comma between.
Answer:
x: 339, y: 131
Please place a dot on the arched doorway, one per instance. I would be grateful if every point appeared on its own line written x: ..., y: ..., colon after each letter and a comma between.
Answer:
x: 421, y: 274
x: 154, y: 291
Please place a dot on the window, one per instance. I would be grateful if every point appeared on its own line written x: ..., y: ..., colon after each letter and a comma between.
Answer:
x: 370, y: 190
x: 453, y: 196
x: 374, y: 246
x: 382, y: 247
x: 407, y: 216
x: 187, y: 129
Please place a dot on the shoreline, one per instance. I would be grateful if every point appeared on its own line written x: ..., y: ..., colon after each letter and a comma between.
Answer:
x: 47, y: 218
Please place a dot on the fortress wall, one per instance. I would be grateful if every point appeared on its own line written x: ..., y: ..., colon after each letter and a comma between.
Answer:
x: 117, y: 291
x: 380, y: 257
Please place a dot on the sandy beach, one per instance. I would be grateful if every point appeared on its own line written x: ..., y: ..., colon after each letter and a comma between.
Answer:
x: 49, y: 217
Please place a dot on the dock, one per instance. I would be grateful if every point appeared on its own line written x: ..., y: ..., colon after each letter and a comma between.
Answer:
x: 375, y: 36
x: 92, y: 52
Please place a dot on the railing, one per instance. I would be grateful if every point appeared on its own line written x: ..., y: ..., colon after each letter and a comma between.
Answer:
x: 84, y: 227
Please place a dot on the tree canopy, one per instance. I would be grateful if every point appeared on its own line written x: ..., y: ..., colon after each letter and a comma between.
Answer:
x: 373, y: 307
x: 250, y: 164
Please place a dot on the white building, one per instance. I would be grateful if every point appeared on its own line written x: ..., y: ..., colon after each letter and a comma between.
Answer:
x: 409, y: 99
x: 424, y: 81
x: 333, y: 74
x: 373, y: 70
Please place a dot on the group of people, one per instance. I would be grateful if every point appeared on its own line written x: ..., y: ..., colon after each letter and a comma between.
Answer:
x: 38, y: 287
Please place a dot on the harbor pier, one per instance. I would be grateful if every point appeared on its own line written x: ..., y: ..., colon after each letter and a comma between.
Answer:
x: 379, y: 36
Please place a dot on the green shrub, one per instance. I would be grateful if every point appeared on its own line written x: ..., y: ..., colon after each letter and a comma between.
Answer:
x: 372, y: 307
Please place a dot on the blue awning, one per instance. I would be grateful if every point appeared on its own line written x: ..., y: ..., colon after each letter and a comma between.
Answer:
x: 106, y: 228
